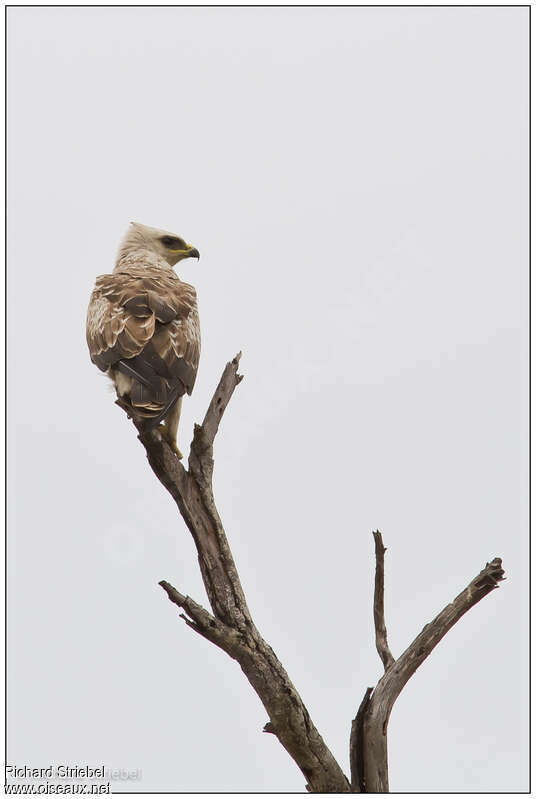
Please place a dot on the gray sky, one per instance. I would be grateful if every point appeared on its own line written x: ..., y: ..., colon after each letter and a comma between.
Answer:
x: 356, y: 182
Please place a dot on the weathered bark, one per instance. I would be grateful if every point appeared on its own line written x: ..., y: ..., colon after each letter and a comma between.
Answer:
x: 378, y: 710
x: 231, y: 627
x: 357, y: 765
x: 379, y: 613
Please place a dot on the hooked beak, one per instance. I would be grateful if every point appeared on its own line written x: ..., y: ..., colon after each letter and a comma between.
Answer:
x: 193, y: 253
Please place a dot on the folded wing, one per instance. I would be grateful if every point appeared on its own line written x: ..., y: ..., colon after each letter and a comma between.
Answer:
x: 144, y: 324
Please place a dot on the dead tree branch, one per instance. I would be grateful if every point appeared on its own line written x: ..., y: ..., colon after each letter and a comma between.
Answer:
x: 378, y: 710
x: 357, y: 766
x: 231, y: 627
x: 379, y: 613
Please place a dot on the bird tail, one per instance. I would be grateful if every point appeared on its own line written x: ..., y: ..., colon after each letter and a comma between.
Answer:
x: 151, y: 396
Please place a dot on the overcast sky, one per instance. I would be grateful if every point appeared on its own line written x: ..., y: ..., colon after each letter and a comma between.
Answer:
x: 356, y: 182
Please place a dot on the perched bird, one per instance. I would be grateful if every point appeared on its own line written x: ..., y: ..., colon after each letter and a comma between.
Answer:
x: 143, y: 329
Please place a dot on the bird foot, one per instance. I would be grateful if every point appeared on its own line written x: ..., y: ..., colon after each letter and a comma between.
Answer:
x: 162, y: 429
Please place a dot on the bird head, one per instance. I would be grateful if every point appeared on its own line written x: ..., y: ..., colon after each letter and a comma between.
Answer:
x: 167, y: 245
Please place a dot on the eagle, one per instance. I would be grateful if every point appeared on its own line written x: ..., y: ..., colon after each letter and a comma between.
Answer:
x: 142, y: 329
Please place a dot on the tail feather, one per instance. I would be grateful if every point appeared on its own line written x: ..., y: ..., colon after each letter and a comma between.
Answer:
x: 154, y: 390
x: 154, y: 421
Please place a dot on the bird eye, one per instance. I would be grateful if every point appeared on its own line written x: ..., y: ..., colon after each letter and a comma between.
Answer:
x: 173, y: 242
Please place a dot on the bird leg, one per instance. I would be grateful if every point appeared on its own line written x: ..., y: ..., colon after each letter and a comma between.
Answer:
x: 170, y: 426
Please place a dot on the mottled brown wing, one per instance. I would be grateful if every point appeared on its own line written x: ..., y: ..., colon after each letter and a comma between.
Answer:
x: 178, y: 344
x: 114, y: 331
x: 129, y: 309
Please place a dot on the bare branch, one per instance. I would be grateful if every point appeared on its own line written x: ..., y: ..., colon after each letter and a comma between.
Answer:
x: 228, y: 382
x: 203, y: 622
x: 379, y: 613
x: 393, y: 681
x: 231, y: 627
x: 356, y: 746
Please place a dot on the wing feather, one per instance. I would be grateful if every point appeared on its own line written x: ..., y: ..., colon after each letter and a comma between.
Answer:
x: 145, y: 311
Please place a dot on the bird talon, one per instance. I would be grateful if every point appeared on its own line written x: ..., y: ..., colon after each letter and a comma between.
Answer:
x: 162, y: 429
x: 176, y: 450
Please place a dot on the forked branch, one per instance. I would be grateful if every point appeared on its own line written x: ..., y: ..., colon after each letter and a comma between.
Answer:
x: 378, y: 709
x: 231, y: 627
